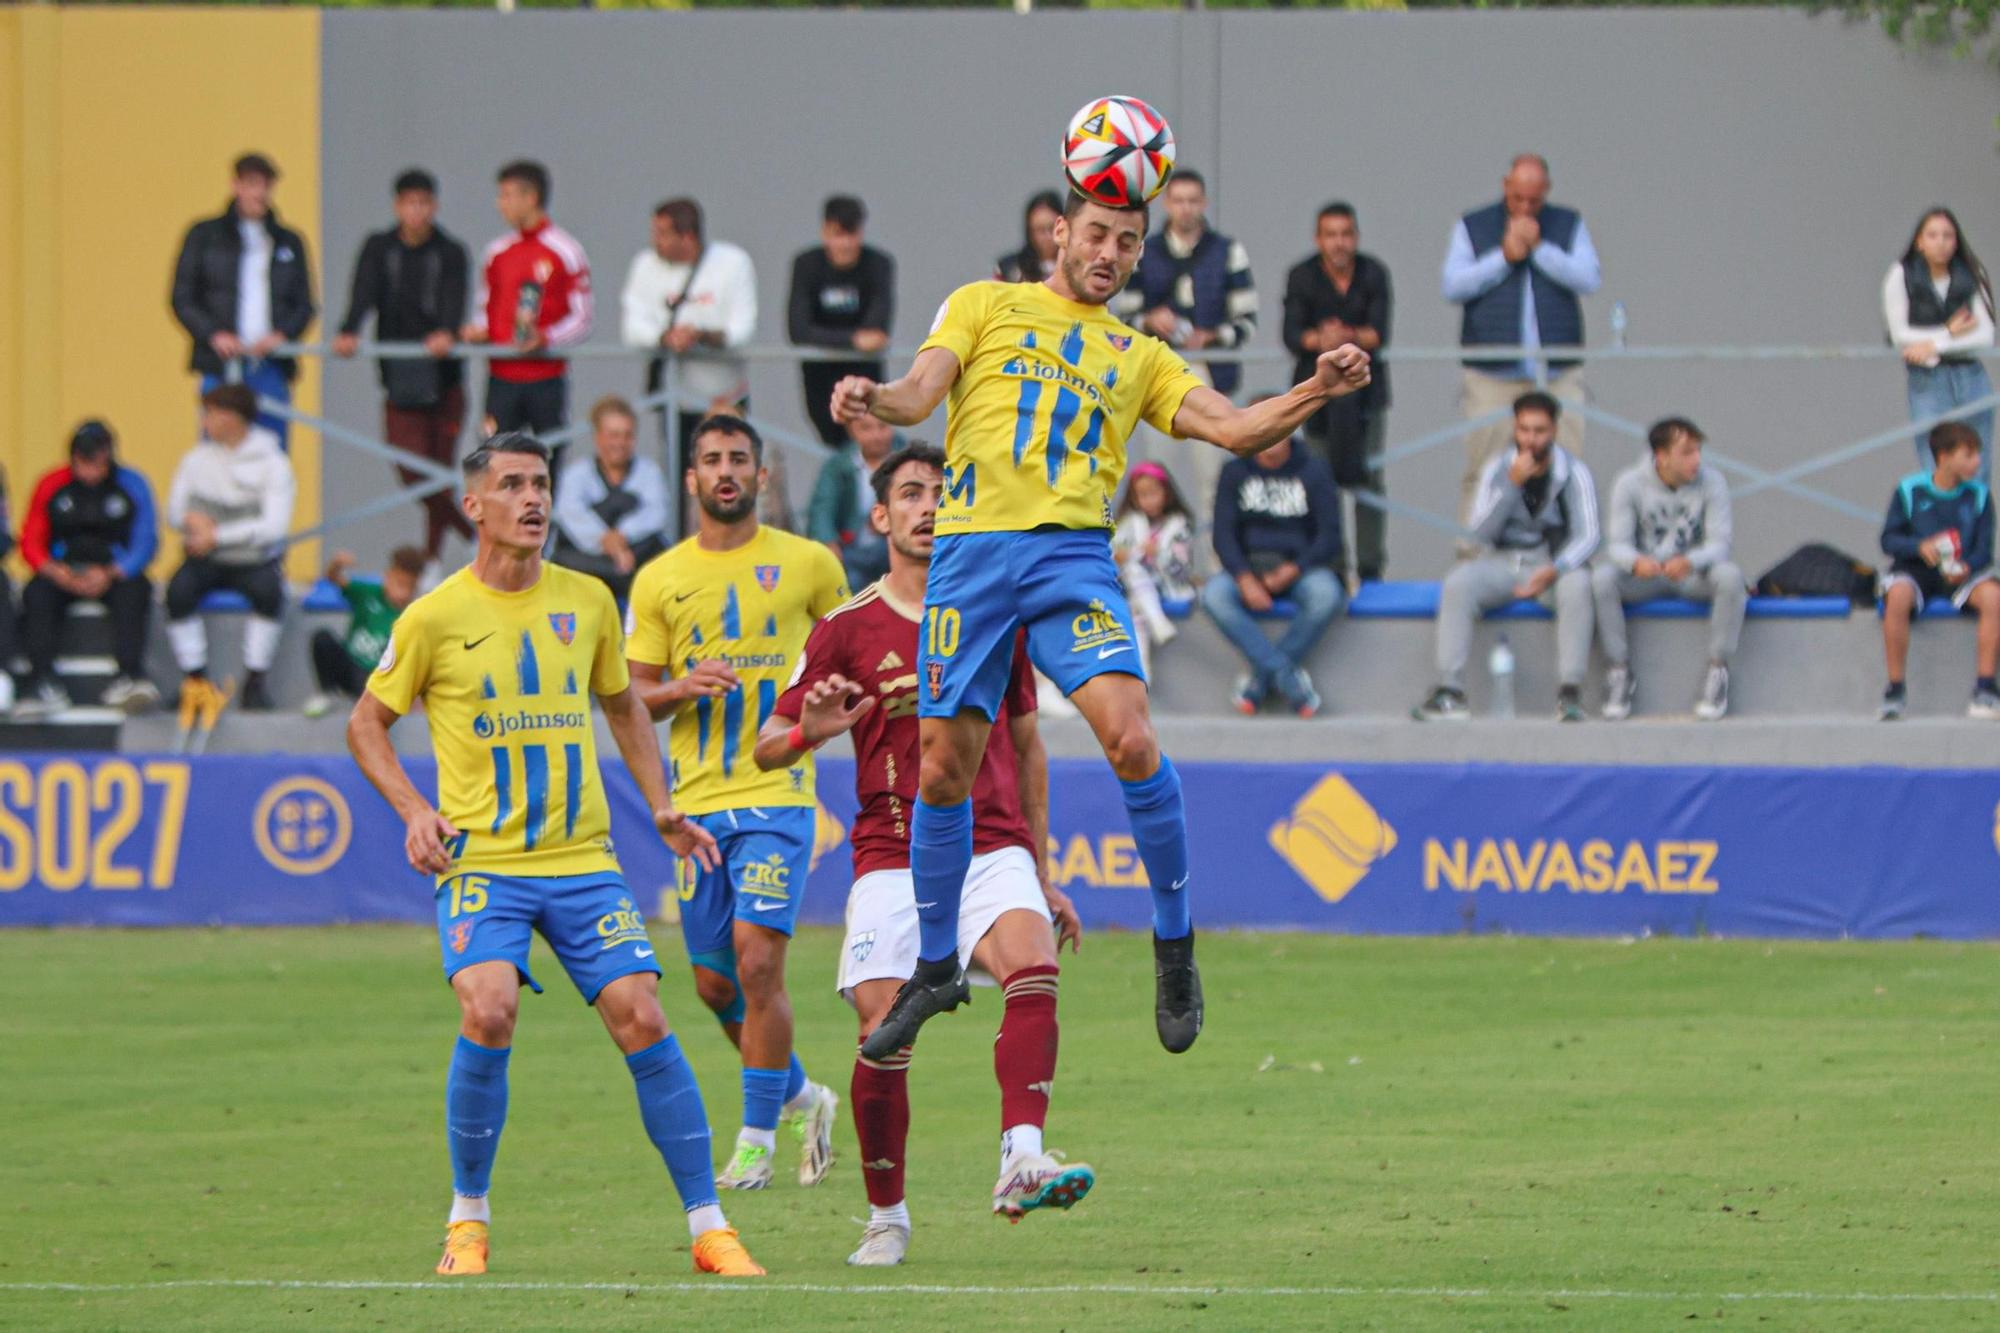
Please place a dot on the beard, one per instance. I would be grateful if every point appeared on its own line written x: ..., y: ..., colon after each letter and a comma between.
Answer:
x: 731, y: 511
x: 907, y: 548
x: 1076, y: 272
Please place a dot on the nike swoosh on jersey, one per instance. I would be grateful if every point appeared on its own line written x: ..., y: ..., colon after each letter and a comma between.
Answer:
x: 470, y: 644
x: 682, y: 597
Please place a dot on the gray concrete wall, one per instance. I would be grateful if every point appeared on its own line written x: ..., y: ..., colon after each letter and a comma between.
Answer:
x: 1748, y: 176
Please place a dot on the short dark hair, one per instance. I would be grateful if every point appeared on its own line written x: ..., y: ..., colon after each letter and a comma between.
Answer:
x: 237, y: 398
x: 611, y: 405
x: 726, y: 423
x: 408, y: 559
x: 916, y: 451
x: 1339, y: 208
x: 682, y: 214
x: 845, y: 212
x: 507, y: 442
x: 1948, y: 437
x: 91, y: 439
x: 1534, y: 400
x: 1078, y: 201
x: 528, y: 172
x: 1187, y: 176
x: 414, y: 179
x: 254, y: 164
x: 1668, y: 429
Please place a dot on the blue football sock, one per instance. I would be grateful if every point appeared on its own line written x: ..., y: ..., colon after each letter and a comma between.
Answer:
x: 940, y: 854
x: 763, y: 1097
x: 795, y: 1078
x: 670, y: 1105
x: 475, y: 1111
x: 1159, y: 826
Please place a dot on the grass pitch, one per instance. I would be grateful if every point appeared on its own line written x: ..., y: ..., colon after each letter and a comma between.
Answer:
x: 242, y: 1129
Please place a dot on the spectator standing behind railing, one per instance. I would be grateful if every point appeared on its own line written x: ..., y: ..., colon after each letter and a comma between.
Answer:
x: 1939, y: 539
x: 89, y: 534
x: 231, y: 501
x: 1938, y: 304
x: 1277, y: 530
x: 1517, y: 267
x: 611, y: 508
x: 342, y: 662
x: 413, y: 277
x: 1536, y: 516
x: 842, y: 298
x: 843, y: 498
x: 1668, y: 534
x: 242, y: 285
x: 534, y: 295
x: 1153, y: 544
x: 1036, y: 258
x: 685, y: 292
x: 1339, y: 295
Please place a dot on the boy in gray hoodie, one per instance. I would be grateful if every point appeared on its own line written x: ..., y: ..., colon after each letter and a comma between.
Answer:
x: 1535, y: 510
x: 1667, y: 535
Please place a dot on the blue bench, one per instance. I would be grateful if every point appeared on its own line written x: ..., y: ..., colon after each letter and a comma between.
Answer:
x: 323, y: 596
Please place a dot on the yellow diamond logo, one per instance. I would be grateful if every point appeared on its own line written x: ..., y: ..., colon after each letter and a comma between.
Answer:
x: 1333, y: 838
x: 828, y: 833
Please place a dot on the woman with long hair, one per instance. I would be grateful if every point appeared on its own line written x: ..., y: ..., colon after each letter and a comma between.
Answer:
x: 1938, y: 304
x: 1036, y: 258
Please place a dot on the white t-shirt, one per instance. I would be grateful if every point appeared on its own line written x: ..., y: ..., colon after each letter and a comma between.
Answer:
x: 253, y: 282
x: 722, y: 300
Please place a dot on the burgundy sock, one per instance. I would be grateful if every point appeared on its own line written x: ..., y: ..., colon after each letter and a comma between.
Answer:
x: 879, y: 1096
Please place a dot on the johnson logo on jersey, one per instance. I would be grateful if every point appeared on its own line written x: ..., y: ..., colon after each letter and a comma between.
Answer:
x: 486, y: 726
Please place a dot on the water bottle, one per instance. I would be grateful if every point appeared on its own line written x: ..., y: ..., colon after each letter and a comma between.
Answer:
x: 1618, y: 325
x: 1500, y: 672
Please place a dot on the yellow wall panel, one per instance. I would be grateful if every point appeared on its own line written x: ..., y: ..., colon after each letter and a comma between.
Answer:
x: 119, y: 134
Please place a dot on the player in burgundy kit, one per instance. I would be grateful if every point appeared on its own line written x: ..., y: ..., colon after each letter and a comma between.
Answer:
x: 859, y: 674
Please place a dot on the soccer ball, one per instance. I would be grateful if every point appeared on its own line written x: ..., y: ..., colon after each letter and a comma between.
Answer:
x: 1118, y: 151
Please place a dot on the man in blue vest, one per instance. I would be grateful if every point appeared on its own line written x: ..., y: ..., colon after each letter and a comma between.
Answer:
x: 1517, y: 267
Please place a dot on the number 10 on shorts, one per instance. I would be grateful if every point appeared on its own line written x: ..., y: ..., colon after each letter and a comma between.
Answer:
x: 942, y: 631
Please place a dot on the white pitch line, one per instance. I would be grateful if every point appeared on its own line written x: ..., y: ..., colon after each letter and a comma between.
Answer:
x: 1071, y: 1289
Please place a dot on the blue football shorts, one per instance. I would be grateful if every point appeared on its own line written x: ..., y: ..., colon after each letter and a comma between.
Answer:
x: 766, y: 854
x: 597, y: 932
x: 1059, y: 582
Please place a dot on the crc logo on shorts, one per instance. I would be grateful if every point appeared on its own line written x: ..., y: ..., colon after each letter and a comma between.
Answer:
x: 768, y: 878
x: 624, y: 926
x: 934, y: 677
x: 302, y: 825
x: 564, y: 624
x: 1333, y: 838
x: 461, y: 936
x: 862, y: 945
x: 1098, y: 628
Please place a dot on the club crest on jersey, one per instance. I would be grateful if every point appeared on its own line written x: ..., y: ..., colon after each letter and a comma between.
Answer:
x: 564, y: 624
x: 1120, y: 342
x: 934, y: 671
x: 767, y: 577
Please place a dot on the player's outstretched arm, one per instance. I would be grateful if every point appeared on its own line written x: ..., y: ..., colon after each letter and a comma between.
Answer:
x: 1207, y: 415
x: 832, y: 707
x: 664, y: 695
x: 1031, y: 779
x: 639, y: 747
x: 425, y: 830
x: 908, y: 401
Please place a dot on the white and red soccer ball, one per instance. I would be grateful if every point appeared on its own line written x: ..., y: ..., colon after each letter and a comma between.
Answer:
x: 1118, y: 151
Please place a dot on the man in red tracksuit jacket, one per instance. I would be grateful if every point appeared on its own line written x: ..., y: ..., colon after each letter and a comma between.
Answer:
x: 534, y: 294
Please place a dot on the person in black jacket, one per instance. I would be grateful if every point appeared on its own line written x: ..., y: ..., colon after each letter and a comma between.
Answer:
x: 242, y: 285
x: 843, y: 296
x: 1277, y: 532
x: 6, y: 607
x: 414, y: 278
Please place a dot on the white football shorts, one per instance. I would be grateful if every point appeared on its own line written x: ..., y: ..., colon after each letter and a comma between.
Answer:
x: 882, y: 931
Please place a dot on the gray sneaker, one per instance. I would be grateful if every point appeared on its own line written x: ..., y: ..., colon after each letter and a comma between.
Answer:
x: 45, y: 698
x: 1301, y: 695
x: 1985, y: 706
x: 1620, y: 688
x: 1714, y: 700
x: 1569, y: 704
x: 1892, y: 706
x: 1443, y: 705
x: 883, y: 1245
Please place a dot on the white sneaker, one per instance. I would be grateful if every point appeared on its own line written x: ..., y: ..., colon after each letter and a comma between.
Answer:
x: 132, y: 696
x: 319, y: 705
x: 6, y: 691
x: 749, y: 1169
x: 1985, y: 706
x: 1620, y: 688
x: 1039, y: 1180
x: 1714, y: 701
x: 814, y: 1126
x: 44, y: 699
x: 883, y: 1245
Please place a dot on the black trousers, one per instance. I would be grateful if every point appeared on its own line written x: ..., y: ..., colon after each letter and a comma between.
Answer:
x: 538, y: 406
x: 599, y: 565
x: 262, y: 584
x: 6, y: 622
x: 336, y: 671
x: 45, y: 605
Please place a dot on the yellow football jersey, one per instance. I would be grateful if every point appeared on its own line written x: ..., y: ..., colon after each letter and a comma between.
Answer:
x: 505, y: 679
x: 1048, y: 392
x: 752, y: 608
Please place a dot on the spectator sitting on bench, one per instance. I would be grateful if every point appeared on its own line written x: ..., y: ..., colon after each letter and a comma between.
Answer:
x: 611, y: 508
x: 1667, y: 535
x: 89, y: 534
x: 1277, y: 534
x: 1154, y: 547
x: 341, y: 663
x: 231, y: 501
x: 1535, y: 509
x: 1939, y: 539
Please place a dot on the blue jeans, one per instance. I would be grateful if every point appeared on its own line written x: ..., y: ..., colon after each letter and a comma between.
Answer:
x: 1935, y: 390
x: 1319, y: 597
x: 266, y: 381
